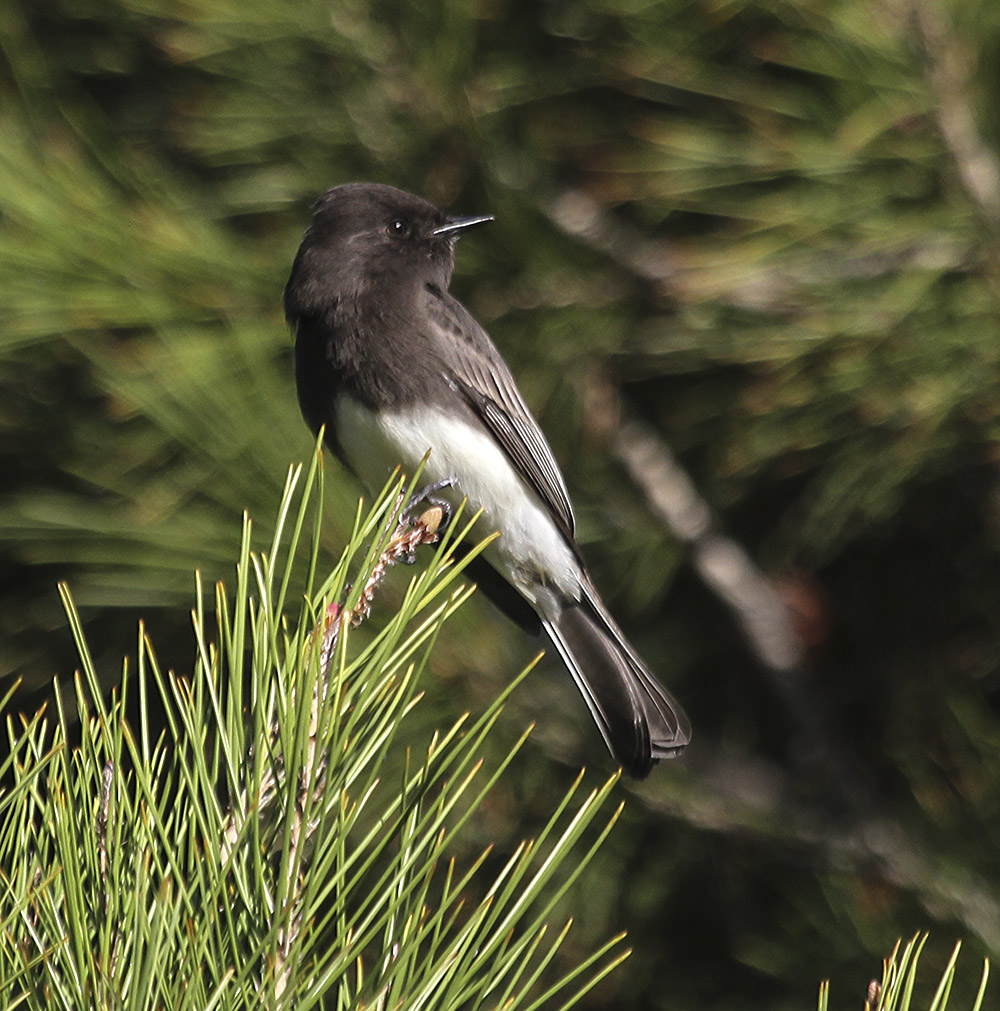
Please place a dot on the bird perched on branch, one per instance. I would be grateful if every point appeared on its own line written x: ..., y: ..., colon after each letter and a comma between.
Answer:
x: 394, y: 366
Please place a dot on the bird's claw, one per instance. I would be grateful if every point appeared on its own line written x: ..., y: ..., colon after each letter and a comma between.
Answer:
x: 428, y: 496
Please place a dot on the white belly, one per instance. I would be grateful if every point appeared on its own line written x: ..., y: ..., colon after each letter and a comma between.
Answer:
x: 531, y: 551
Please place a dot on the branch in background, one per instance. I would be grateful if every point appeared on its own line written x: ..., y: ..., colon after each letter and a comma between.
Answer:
x: 768, y: 623
x: 751, y: 794
x: 579, y: 215
x: 950, y: 65
x: 722, y: 564
x: 770, y: 287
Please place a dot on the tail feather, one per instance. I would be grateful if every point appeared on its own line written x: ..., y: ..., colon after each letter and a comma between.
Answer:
x: 640, y: 722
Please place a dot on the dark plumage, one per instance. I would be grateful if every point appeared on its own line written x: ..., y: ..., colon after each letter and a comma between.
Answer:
x: 393, y: 365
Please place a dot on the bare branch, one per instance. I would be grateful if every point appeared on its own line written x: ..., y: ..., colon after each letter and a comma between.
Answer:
x: 723, y: 565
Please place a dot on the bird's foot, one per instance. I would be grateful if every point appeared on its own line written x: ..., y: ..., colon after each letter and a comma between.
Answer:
x: 427, y: 508
x: 428, y: 496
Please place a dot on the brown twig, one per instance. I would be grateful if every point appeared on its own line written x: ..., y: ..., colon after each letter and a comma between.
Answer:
x: 103, y: 813
x: 402, y: 545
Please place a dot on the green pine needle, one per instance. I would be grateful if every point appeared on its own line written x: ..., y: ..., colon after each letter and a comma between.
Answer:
x: 235, y: 845
x: 899, y: 973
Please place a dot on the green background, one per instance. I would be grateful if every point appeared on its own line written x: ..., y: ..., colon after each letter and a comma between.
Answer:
x: 767, y: 231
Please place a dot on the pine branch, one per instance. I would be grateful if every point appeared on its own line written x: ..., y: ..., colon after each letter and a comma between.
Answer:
x: 124, y: 880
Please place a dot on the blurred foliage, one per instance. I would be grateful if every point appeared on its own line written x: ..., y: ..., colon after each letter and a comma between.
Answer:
x: 768, y: 228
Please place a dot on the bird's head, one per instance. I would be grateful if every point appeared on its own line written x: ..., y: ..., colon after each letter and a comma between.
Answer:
x: 369, y: 234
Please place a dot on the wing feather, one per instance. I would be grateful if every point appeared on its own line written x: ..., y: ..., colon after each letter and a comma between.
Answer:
x: 476, y: 370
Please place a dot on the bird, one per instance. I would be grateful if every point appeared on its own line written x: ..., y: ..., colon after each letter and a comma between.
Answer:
x: 390, y: 365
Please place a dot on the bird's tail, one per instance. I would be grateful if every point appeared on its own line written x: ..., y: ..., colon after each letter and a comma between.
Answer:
x: 639, y: 719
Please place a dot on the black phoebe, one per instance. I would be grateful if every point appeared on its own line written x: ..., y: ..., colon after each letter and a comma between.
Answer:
x: 393, y: 365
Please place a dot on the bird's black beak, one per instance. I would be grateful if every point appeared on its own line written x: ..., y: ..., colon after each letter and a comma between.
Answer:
x: 453, y: 226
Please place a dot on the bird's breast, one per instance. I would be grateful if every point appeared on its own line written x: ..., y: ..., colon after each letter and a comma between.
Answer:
x: 531, y: 551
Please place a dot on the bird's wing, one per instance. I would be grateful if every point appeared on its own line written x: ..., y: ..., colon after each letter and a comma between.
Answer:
x: 478, y: 372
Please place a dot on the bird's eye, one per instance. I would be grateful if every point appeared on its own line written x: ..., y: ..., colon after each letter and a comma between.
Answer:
x: 399, y: 228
